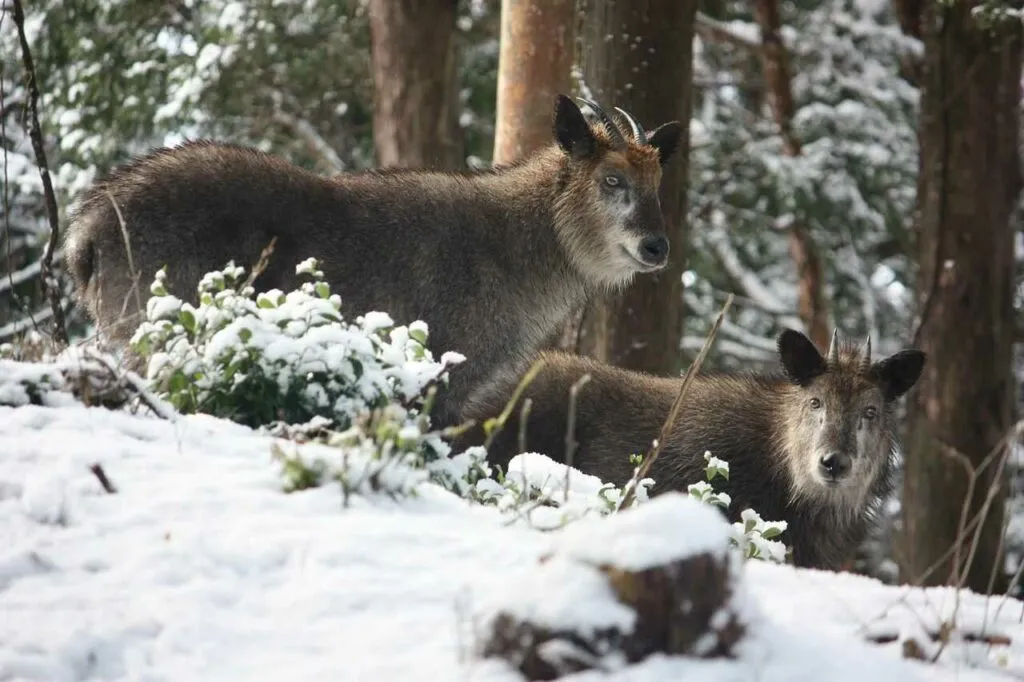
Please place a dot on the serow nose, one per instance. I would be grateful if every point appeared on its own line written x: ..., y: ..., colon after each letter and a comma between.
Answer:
x: 834, y: 466
x: 654, y: 250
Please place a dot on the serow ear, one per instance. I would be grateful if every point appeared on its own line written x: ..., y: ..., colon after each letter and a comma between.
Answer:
x: 665, y: 138
x: 572, y: 130
x: 898, y: 373
x: 800, y: 359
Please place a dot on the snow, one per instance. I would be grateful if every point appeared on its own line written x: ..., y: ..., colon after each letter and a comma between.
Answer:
x: 200, y: 567
x: 668, y: 528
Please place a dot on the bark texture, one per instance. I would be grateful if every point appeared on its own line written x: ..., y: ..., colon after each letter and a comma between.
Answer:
x: 415, y: 110
x: 639, y: 57
x: 963, y: 406
x: 534, y: 65
x: 802, y: 249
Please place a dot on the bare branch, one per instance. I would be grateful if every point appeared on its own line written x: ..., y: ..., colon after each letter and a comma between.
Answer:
x: 51, y: 283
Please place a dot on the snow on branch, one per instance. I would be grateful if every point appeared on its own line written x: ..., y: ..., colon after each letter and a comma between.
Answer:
x: 747, y: 279
x: 305, y: 130
x: 738, y: 333
x: 721, y: 32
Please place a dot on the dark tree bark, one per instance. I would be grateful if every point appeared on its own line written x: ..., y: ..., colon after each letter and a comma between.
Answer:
x: 639, y: 57
x: 963, y: 406
x: 534, y: 65
x: 804, y: 252
x: 415, y: 112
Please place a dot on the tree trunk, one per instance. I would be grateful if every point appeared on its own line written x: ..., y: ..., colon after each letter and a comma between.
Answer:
x: 640, y: 58
x: 963, y: 405
x: 415, y: 113
x: 804, y: 252
x: 534, y: 65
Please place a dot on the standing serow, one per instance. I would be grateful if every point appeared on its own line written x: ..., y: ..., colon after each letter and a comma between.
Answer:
x: 491, y: 260
x: 812, y: 446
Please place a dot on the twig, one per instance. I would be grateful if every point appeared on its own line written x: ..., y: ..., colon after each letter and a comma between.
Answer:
x: 669, y: 423
x: 524, y: 414
x: 134, y: 382
x: 51, y: 284
x: 570, y: 427
x: 100, y: 474
x: 133, y: 273
x: 990, y: 639
x: 261, y: 263
x: 499, y: 422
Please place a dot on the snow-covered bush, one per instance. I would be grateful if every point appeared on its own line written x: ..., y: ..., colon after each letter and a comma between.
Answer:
x: 258, y: 359
x: 292, y: 364
x: 547, y: 494
x: 752, y: 534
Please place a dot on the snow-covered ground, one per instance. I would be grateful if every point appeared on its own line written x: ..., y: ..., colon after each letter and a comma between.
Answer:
x: 199, y: 567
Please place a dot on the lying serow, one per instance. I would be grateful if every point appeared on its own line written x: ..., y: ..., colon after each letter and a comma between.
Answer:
x: 492, y: 260
x: 813, y: 446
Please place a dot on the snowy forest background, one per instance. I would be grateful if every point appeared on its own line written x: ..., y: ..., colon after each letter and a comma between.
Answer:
x: 816, y: 166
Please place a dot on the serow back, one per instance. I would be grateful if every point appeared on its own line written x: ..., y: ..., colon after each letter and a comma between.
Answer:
x: 491, y: 260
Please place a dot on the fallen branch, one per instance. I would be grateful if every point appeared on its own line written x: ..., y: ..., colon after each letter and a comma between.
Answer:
x: 51, y: 284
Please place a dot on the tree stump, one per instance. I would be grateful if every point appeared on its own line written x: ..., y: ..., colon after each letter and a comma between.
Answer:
x: 575, y: 611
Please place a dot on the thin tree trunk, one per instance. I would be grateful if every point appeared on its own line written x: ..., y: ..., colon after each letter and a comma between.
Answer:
x: 640, y: 58
x: 533, y: 66
x: 415, y: 114
x: 963, y: 405
x: 804, y: 252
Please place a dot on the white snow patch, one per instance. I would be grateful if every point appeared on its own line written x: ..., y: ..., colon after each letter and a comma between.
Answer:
x: 199, y: 567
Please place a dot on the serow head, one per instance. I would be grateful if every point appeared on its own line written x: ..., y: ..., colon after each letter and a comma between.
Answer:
x: 610, y: 213
x: 839, y: 413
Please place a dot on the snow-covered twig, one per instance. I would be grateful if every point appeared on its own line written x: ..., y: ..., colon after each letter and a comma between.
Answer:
x: 19, y: 325
x: 137, y: 386
x: 28, y: 272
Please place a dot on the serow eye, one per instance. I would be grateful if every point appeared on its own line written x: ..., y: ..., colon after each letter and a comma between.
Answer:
x: 870, y: 411
x: 612, y: 180
x: 815, y: 403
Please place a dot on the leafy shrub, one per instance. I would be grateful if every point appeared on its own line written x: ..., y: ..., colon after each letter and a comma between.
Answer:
x: 259, y: 359
x: 752, y: 534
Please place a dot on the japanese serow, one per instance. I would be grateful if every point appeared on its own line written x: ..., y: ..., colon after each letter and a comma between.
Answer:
x: 812, y: 445
x: 492, y: 260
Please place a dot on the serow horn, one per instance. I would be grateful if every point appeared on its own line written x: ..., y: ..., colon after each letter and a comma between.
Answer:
x: 639, y: 136
x: 865, y: 358
x: 833, y: 349
x: 609, y: 124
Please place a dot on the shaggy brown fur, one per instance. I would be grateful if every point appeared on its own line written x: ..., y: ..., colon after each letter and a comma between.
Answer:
x: 812, y: 446
x: 491, y: 260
